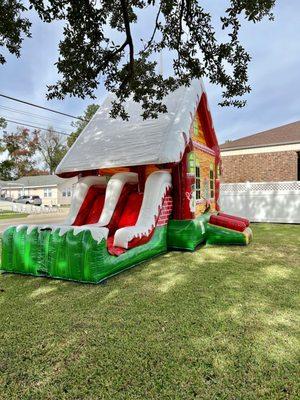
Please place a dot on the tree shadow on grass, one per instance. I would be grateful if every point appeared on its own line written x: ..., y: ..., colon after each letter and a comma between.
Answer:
x: 217, y: 323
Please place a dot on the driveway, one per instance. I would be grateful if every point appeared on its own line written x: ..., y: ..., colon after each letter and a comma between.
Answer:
x: 34, y: 219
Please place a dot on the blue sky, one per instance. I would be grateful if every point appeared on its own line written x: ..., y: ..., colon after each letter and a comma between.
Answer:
x: 274, y: 75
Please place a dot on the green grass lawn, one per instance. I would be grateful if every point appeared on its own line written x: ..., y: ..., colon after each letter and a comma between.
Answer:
x: 220, y: 323
x: 6, y: 214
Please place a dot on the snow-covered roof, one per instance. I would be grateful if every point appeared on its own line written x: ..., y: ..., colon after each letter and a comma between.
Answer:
x: 34, y: 180
x: 106, y: 142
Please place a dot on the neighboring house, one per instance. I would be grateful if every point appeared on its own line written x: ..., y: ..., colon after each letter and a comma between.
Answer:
x: 269, y: 156
x: 51, y: 189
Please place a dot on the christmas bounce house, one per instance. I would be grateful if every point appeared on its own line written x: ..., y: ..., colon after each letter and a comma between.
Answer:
x: 144, y: 187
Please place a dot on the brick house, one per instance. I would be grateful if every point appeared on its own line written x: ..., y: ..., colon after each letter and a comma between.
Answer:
x: 269, y: 156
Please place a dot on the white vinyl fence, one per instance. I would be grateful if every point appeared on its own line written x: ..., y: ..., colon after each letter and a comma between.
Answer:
x: 7, y: 206
x: 262, y: 201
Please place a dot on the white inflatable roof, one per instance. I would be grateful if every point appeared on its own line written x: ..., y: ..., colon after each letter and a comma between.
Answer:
x: 106, y: 142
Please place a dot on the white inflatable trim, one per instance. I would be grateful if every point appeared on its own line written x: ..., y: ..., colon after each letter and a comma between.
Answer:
x: 81, y: 189
x: 157, y: 185
x: 98, y: 233
x: 113, y: 191
x: 112, y: 194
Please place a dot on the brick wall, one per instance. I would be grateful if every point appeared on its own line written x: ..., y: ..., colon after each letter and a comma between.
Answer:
x: 260, y: 167
x: 165, y: 211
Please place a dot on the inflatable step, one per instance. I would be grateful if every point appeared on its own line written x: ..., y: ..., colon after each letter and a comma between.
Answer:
x: 224, y: 236
x: 229, y: 223
x: 245, y: 220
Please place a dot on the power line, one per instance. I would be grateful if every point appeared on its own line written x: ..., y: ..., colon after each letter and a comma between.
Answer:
x: 34, y: 126
x: 41, y: 107
x: 41, y: 125
x: 23, y: 112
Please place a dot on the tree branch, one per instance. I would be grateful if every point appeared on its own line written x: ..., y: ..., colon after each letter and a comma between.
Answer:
x: 114, y: 53
x: 154, y: 30
x: 124, y: 6
x: 180, y: 29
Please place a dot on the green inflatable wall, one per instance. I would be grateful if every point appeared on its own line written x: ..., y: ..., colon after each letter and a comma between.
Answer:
x: 81, y: 258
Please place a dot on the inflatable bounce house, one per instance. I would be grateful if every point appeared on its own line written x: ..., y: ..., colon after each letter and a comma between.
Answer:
x: 144, y: 187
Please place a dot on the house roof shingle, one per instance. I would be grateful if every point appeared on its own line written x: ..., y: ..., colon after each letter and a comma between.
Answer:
x: 285, y: 134
x: 37, y: 180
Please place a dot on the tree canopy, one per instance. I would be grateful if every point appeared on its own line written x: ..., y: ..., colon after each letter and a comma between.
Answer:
x: 3, y: 123
x: 21, y: 147
x: 25, y: 151
x: 98, y: 43
x: 51, y: 148
x: 81, y: 123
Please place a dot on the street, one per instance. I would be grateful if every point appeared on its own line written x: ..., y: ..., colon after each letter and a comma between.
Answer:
x: 34, y: 219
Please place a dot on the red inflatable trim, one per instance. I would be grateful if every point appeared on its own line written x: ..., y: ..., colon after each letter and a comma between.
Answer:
x: 113, y: 250
x: 138, y: 241
x: 227, y: 223
x: 208, y: 127
x: 91, y: 207
x: 245, y: 220
x: 217, y: 195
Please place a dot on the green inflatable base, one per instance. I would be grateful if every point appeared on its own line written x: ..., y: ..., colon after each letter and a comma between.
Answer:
x: 81, y: 258
x: 188, y: 234
x: 73, y: 257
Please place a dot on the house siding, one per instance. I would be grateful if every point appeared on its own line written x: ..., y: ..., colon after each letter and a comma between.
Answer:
x: 260, y: 167
x: 64, y: 186
x: 38, y: 191
x: 56, y: 198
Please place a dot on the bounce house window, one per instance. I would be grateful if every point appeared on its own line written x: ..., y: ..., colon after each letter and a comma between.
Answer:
x: 191, y: 162
x: 212, y: 181
x: 198, y: 183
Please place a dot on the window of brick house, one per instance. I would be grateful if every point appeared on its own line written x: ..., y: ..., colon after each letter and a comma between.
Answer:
x: 298, y: 166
